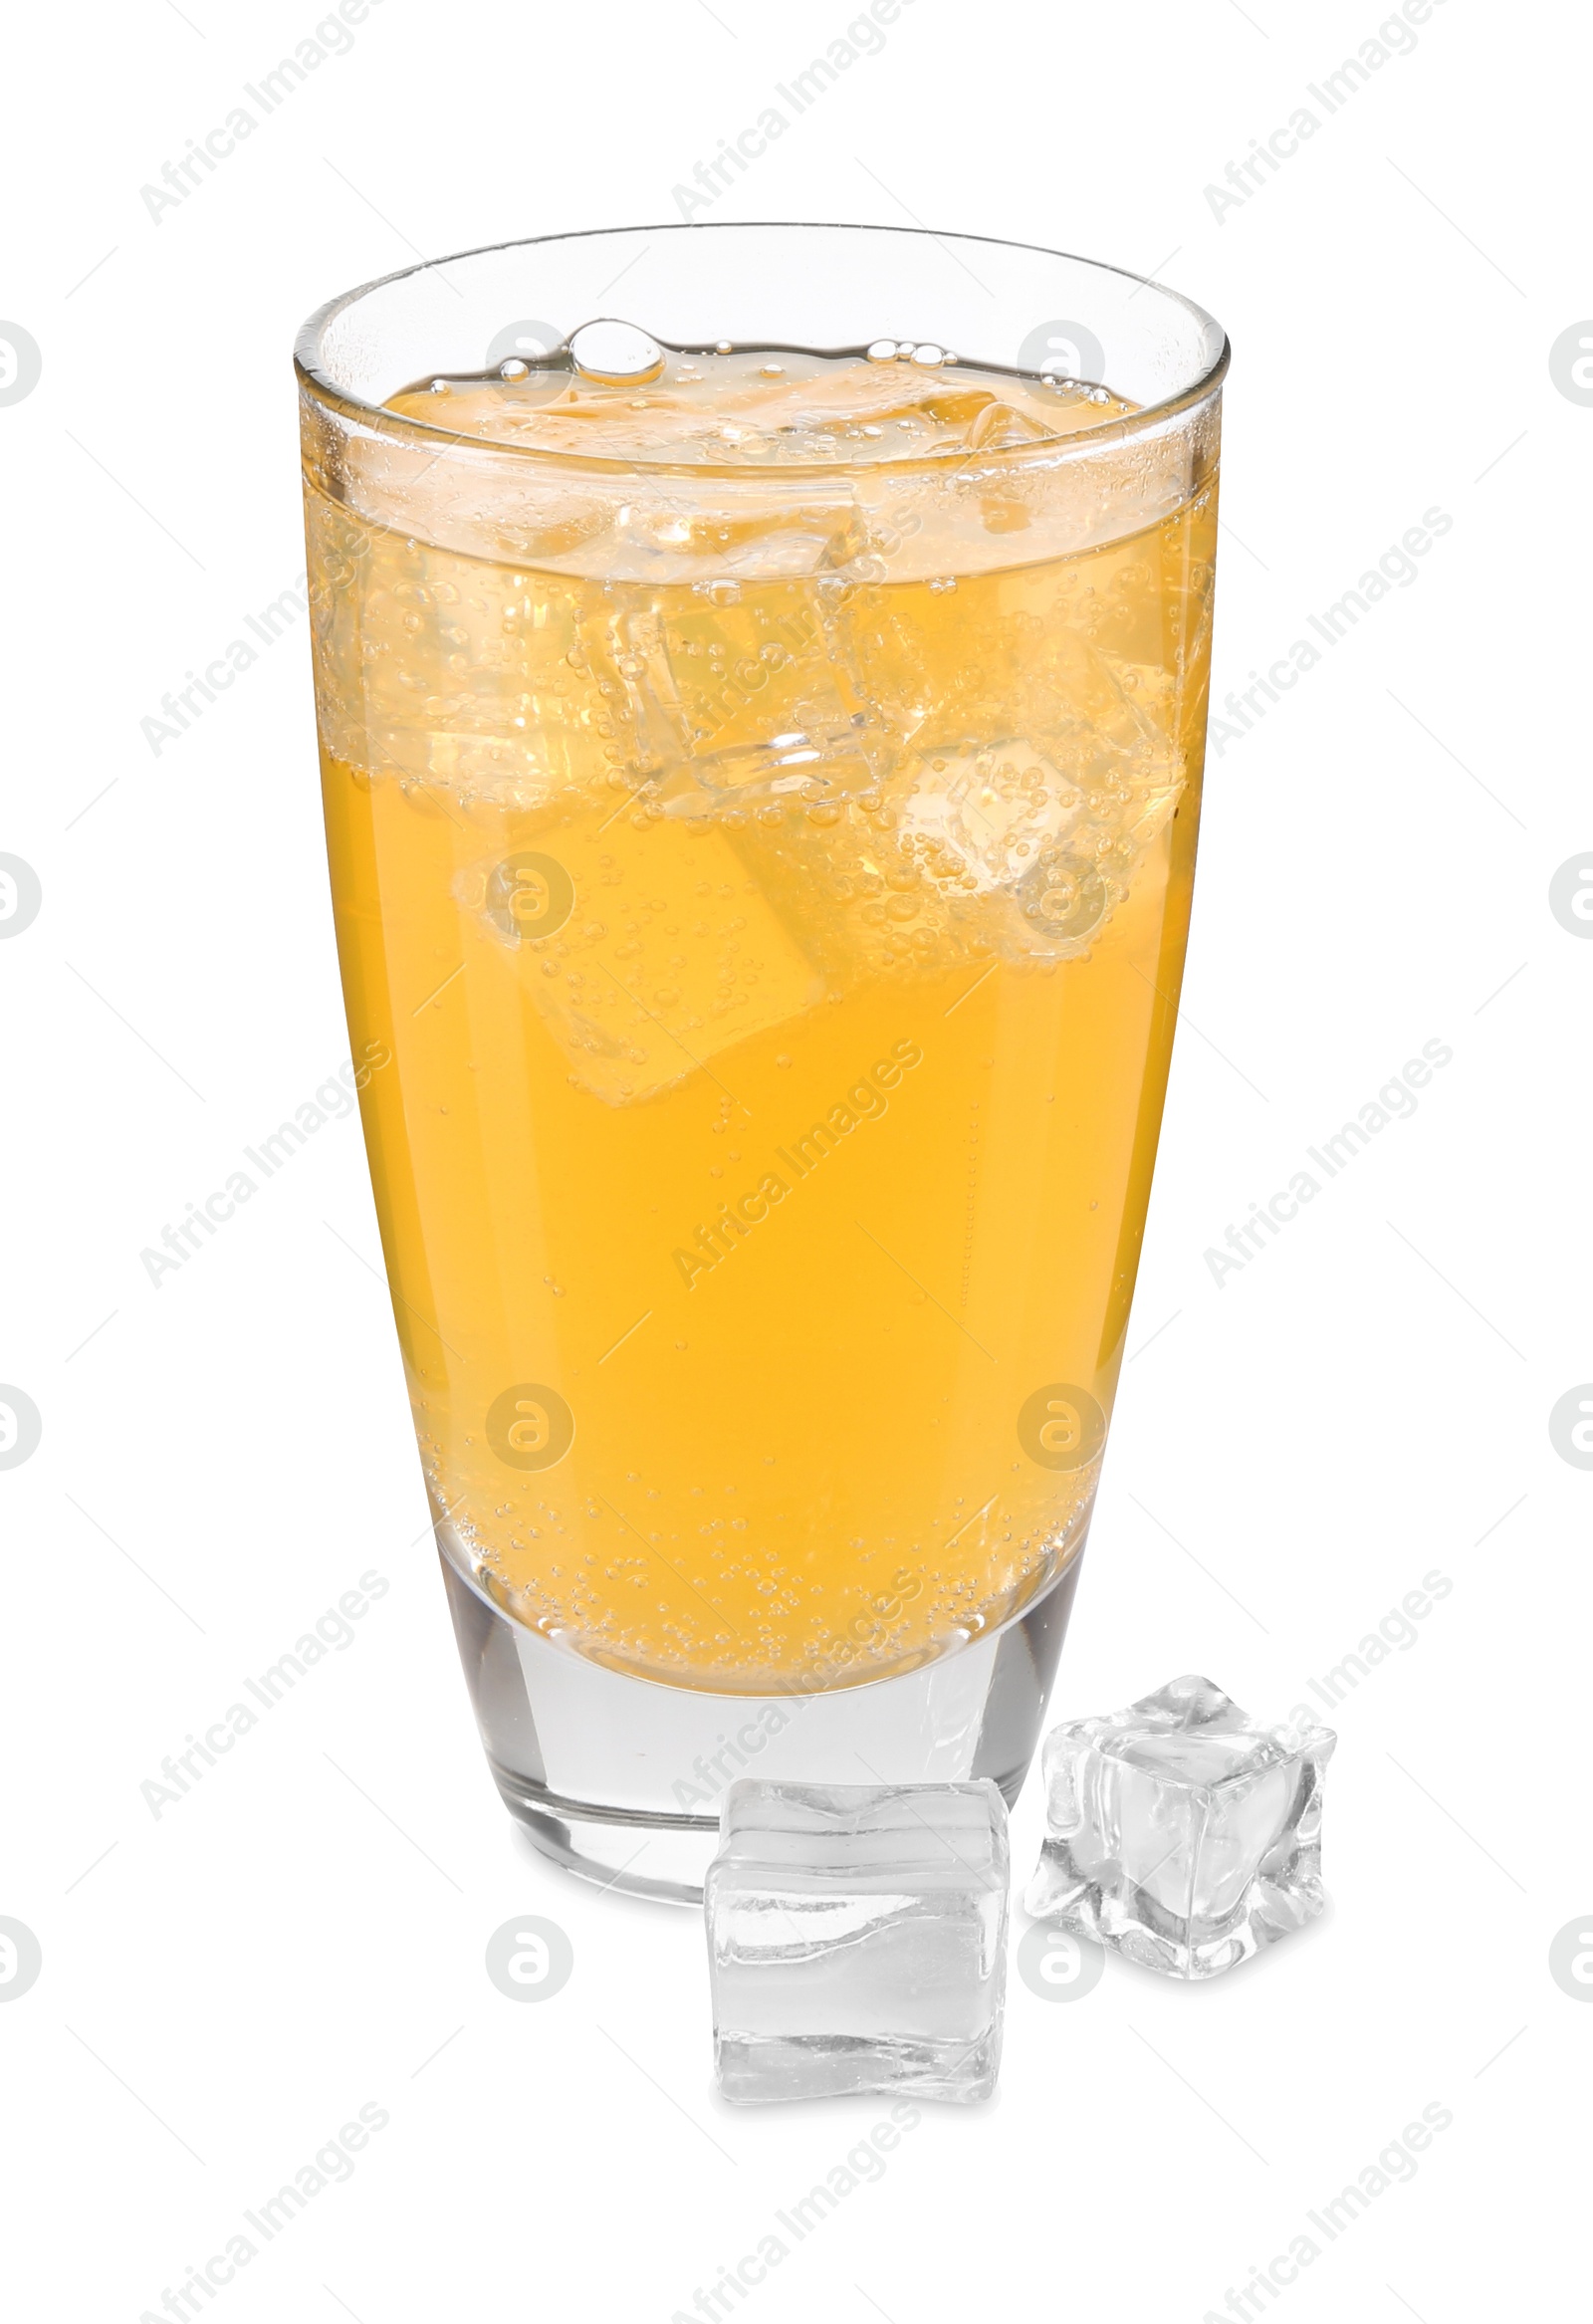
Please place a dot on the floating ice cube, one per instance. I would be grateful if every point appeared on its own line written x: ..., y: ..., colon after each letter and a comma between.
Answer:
x: 727, y: 702
x: 992, y: 810
x: 1181, y: 1832
x: 641, y: 944
x: 857, y: 1940
x: 997, y: 426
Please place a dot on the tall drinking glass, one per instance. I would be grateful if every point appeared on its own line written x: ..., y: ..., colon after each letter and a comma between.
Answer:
x: 762, y: 757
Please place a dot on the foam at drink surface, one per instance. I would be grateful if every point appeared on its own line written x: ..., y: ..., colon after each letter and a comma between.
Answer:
x: 614, y: 393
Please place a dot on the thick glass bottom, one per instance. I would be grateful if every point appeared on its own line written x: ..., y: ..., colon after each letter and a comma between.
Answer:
x: 619, y: 1779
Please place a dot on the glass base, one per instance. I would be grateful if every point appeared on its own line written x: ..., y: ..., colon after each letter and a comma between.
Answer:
x: 619, y: 1779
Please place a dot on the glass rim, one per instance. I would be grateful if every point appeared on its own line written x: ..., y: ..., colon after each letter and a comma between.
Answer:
x: 316, y: 381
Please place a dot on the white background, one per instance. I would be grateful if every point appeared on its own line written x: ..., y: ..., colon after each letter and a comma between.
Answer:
x: 1368, y: 1400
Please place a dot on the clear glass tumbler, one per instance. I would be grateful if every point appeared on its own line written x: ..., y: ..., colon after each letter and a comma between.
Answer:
x: 761, y: 852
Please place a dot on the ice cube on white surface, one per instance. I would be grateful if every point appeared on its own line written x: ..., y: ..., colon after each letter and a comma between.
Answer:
x: 857, y: 1940
x: 1181, y: 1832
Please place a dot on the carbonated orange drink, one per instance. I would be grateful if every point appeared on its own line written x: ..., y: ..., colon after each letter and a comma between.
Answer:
x: 775, y: 925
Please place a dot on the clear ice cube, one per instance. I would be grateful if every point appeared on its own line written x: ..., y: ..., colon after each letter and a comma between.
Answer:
x: 993, y: 809
x: 643, y: 945
x: 1181, y: 1832
x: 857, y: 1940
x: 726, y: 701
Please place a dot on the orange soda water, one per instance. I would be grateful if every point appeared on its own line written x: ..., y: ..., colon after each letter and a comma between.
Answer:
x: 776, y: 953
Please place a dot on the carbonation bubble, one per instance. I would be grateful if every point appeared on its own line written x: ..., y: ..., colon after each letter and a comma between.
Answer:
x: 616, y: 354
